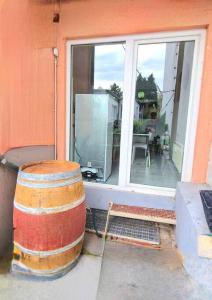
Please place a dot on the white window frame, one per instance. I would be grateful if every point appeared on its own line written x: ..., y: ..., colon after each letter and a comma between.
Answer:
x: 132, y: 42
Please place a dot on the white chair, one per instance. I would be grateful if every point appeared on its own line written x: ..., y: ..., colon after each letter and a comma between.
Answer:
x: 142, y: 142
x: 116, y: 145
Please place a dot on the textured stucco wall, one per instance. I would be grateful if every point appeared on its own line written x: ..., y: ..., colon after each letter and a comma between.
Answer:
x: 209, y: 174
x: 27, y: 36
x: 99, y: 198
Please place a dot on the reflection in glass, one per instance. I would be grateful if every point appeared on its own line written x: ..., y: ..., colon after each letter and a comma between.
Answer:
x: 160, y: 112
x: 97, y: 72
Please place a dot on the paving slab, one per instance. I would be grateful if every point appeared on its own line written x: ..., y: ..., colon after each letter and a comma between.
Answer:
x: 130, y: 272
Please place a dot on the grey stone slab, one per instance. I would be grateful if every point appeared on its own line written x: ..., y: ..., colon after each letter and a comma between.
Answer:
x: 191, y: 223
x: 129, y: 272
x: 97, y: 197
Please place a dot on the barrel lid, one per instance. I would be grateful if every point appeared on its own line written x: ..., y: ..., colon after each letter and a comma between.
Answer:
x: 50, y: 167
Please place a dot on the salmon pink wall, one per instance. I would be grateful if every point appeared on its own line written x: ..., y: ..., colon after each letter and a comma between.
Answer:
x: 26, y: 73
x: 27, y: 35
x: 98, y: 18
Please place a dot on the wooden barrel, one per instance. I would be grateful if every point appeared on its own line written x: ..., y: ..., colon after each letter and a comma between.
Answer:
x: 49, y: 218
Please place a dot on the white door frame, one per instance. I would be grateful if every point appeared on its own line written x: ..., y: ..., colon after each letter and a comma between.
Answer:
x: 132, y: 42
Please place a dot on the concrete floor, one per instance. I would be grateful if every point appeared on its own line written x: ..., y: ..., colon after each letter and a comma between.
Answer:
x: 79, y: 284
x: 126, y: 272
x: 129, y: 272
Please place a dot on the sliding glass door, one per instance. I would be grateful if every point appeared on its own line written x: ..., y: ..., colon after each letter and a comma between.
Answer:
x: 161, y: 100
x: 131, y: 109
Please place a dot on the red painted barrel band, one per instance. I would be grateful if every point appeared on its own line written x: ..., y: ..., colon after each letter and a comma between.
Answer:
x: 50, y: 231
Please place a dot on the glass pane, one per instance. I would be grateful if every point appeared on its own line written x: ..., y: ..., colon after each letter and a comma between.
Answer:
x: 160, y: 112
x: 97, y: 109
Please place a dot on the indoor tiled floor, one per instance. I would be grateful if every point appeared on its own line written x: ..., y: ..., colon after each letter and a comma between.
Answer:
x: 161, y: 172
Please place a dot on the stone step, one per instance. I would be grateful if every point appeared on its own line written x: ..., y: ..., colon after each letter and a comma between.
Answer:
x: 197, y: 238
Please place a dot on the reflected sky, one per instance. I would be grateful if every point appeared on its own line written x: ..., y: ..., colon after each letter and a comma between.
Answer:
x: 151, y: 59
x: 109, y: 63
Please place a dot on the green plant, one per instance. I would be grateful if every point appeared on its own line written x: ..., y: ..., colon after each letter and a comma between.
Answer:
x: 138, y: 126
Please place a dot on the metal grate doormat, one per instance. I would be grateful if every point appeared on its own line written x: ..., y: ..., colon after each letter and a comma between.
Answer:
x: 124, y: 227
x: 100, y: 218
